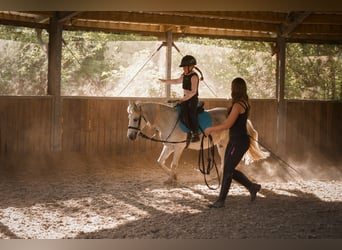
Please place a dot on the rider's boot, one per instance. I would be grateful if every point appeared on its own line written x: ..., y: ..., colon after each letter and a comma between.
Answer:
x: 226, y: 182
x: 253, y: 188
x: 188, y: 136
x: 195, y: 137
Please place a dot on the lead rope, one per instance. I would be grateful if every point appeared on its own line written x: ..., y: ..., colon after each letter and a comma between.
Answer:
x: 211, y: 163
x: 279, y: 159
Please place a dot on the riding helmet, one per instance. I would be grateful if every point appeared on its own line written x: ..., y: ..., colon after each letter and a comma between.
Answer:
x: 188, y: 61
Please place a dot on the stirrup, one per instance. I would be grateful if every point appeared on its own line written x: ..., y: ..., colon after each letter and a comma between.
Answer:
x: 195, y: 138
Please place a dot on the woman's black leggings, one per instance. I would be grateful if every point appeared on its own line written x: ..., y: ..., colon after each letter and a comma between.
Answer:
x: 235, y: 150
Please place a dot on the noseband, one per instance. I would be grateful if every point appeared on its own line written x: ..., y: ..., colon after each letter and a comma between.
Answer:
x: 137, y: 128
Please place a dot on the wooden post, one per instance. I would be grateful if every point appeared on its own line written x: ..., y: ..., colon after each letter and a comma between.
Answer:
x: 281, y: 117
x: 168, y: 61
x: 54, y: 81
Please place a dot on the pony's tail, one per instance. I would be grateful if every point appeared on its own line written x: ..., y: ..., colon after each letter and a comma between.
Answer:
x: 200, y: 73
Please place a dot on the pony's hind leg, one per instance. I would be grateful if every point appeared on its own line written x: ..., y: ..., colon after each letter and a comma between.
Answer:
x: 221, y: 149
x: 167, y: 150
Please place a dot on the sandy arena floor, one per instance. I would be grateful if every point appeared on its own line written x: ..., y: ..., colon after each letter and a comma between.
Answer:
x: 111, y: 197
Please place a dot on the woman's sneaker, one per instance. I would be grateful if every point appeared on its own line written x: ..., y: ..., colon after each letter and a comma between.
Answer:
x: 217, y: 204
x: 253, y: 190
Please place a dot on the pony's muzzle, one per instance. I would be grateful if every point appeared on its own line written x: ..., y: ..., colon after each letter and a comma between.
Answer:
x: 132, y: 136
x: 132, y: 133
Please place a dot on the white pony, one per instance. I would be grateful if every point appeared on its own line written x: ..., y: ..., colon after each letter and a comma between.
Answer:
x: 163, y: 119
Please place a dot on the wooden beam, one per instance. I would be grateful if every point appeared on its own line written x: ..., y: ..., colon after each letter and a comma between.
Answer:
x: 54, y: 81
x: 24, y: 20
x: 309, y: 38
x: 169, y: 42
x: 163, y: 19
x: 24, y: 24
x: 334, y: 18
x: 255, y: 16
x: 246, y: 25
x: 293, y: 20
x: 318, y: 29
x: 154, y: 29
x: 67, y: 15
x: 280, y: 81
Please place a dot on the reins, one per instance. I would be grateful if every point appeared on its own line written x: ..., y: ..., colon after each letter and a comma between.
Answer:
x: 157, y: 140
x: 211, y: 163
x: 154, y: 139
x: 204, y: 169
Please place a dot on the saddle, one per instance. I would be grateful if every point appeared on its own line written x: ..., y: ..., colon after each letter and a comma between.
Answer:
x: 204, y: 118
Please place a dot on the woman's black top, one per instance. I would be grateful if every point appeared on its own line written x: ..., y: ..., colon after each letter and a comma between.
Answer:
x: 239, y: 128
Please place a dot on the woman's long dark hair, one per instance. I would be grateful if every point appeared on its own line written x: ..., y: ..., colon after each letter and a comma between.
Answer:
x: 239, y: 92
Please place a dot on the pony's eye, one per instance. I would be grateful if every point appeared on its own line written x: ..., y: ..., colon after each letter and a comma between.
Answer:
x: 135, y: 119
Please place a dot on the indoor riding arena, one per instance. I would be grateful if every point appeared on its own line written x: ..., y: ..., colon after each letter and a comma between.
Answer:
x: 69, y: 171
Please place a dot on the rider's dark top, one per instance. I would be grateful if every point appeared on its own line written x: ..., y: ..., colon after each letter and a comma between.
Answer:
x: 187, y: 81
x: 239, y: 128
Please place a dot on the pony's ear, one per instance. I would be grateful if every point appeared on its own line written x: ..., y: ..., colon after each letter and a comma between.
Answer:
x: 137, y: 105
x: 133, y: 105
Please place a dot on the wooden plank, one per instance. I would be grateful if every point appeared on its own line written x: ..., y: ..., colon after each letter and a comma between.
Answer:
x: 99, y: 125
x: 25, y: 124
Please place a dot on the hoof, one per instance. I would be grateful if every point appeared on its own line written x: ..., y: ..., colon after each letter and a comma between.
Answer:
x: 171, y: 181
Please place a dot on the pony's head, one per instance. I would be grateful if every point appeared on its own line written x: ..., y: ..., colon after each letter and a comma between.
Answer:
x: 134, y: 120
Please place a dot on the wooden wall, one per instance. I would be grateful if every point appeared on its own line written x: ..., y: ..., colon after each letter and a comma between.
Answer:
x: 313, y: 126
x: 25, y: 124
x: 99, y: 125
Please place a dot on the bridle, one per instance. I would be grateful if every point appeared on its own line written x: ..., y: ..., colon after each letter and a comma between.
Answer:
x: 140, y: 133
x: 139, y: 122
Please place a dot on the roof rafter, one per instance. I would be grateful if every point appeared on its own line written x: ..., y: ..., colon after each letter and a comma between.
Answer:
x: 300, y: 26
x: 294, y: 19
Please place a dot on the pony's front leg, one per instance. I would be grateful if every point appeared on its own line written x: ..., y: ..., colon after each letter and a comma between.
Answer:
x: 177, y: 152
x: 167, y: 150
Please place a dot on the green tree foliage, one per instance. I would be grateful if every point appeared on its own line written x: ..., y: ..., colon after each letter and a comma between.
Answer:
x: 90, y: 63
x: 223, y: 60
x: 108, y: 64
x: 23, y: 63
x: 313, y: 71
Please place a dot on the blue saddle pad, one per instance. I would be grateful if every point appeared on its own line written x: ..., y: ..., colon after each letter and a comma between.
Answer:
x: 204, y: 121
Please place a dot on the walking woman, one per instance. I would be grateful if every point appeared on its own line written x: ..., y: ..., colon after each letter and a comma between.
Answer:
x: 238, y: 142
